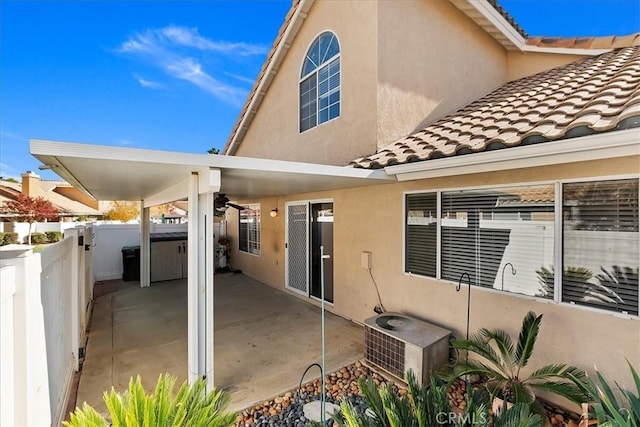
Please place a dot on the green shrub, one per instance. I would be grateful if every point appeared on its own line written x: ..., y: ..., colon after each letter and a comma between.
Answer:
x: 190, y: 406
x: 1, y: 238
x: 10, y: 238
x: 36, y: 238
x: 501, y: 360
x: 614, y: 406
x: 53, y: 236
x: 430, y: 406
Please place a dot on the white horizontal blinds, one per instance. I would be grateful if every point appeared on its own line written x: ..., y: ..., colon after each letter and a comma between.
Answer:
x: 490, y: 231
x: 243, y: 231
x: 600, y: 244
x: 421, y: 222
x: 308, y: 102
x: 320, y: 82
x: 249, y: 229
x: 329, y: 91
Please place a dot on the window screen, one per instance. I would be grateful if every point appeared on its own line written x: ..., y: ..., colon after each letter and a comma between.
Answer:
x: 421, y: 222
x: 492, y: 234
x: 600, y: 244
x: 249, y: 229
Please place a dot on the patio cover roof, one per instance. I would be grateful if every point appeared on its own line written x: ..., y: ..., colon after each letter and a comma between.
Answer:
x: 116, y: 173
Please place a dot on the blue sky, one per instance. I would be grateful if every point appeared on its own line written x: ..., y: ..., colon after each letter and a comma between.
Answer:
x: 173, y: 75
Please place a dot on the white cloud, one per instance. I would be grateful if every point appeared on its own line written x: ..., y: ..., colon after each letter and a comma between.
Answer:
x: 11, y: 136
x: 147, y: 83
x: 123, y: 142
x: 176, y: 50
x: 190, y: 70
x: 189, y: 37
x: 8, y: 171
x: 241, y: 78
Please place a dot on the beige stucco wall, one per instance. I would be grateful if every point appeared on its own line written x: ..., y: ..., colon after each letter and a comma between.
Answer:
x: 371, y: 219
x: 522, y: 64
x: 273, y: 133
x: 433, y: 60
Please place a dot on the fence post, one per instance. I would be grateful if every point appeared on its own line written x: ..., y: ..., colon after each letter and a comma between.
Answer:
x: 75, y: 315
x: 31, y: 374
x: 7, y: 361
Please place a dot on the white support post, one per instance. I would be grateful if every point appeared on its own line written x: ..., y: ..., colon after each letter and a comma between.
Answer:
x: 145, y: 247
x: 202, y: 187
x: 192, y: 282
x: 75, y: 303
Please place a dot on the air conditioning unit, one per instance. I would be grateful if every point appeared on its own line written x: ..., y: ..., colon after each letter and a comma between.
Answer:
x: 396, y: 343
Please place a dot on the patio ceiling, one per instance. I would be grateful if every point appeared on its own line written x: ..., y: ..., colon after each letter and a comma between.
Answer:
x: 116, y: 173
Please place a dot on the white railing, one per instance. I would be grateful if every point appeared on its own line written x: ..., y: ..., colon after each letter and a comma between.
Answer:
x: 44, y: 303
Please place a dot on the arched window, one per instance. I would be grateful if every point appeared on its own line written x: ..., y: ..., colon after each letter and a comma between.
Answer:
x: 320, y: 82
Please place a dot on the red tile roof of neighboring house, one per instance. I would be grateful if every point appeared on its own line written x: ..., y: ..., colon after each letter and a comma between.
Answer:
x: 606, y: 42
x: 66, y: 206
x: 592, y: 95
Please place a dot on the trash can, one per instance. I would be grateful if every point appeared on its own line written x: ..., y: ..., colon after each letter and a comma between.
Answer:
x: 130, y: 263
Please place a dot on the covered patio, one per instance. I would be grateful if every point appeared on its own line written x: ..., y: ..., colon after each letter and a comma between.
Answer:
x: 156, y: 177
x: 264, y: 339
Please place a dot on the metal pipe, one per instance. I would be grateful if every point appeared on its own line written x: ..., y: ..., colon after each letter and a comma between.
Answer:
x: 324, y: 397
x: 458, y: 287
x: 513, y: 272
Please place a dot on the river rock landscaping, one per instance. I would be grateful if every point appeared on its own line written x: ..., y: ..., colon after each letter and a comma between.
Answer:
x: 287, y: 409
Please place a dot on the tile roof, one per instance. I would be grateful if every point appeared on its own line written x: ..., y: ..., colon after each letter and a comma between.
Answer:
x: 508, y: 17
x: 592, y: 95
x: 62, y: 203
x: 606, y: 42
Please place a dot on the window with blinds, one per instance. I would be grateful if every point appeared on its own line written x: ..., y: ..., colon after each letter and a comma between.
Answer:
x: 320, y: 82
x: 249, y: 229
x: 421, y: 222
x: 501, y: 237
x: 504, y: 238
x: 600, y: 244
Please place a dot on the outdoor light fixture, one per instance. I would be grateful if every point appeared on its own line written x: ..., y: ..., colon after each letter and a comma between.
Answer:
x: 273, y: 213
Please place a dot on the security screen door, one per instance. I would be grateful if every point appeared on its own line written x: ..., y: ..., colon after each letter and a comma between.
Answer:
x: 309, y: 226
x: 297, y: 247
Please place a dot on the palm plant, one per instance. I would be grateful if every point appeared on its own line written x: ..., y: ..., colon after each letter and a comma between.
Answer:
x: 191, y: 406
x: 429, y: 406
x: 501, y: 362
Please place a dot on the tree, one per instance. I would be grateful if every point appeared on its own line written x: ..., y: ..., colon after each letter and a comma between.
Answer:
x: 30, y: 209
x: 9, y: 179
x: 123, y: 211
x: 213, y: 151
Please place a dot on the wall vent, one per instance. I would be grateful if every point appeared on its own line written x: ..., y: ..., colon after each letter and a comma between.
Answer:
x: 397, y: 343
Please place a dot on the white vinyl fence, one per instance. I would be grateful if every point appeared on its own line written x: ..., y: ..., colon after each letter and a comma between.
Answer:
x: 44, y: 303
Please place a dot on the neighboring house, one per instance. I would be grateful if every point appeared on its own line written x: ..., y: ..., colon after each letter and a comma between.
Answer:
x: 511, y: 154
x: 70, y: 202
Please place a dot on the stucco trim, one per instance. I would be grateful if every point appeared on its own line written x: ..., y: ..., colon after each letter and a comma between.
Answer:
x: 592, y: 147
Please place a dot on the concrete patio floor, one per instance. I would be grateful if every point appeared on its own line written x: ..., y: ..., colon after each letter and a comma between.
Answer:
x: 264, y: 339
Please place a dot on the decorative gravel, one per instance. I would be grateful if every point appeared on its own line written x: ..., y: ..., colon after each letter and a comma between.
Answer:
x: 287, y: 410
x: 341, y: 385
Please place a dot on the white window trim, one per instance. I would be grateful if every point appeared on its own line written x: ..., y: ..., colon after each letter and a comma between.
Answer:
x: 557, y: 299
x: 301, y: 79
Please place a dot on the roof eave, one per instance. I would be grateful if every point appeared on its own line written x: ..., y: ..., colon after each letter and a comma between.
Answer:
x: 259, y: 91
x: 495, y: 24
x: 593, y: 147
